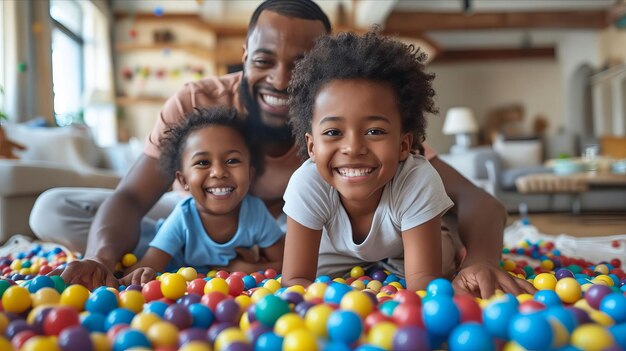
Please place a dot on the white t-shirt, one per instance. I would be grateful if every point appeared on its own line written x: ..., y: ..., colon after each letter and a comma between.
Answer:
x: 414, y: 196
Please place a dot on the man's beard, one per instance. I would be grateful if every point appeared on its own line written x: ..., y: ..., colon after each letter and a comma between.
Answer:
x: 263, y: 131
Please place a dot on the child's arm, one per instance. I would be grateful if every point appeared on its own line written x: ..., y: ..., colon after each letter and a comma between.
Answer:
x: 422, y: 254
x: 273, y: 258
x: 145, y: 270
x: 302, y: 246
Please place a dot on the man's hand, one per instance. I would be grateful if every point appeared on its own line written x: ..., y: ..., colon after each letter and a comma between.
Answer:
x: 139, y: 276
x: 482, y: 279
x: 88, y: 272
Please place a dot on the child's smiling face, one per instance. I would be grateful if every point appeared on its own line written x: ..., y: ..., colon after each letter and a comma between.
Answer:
x: 357, y: 140
x: 216, y: 169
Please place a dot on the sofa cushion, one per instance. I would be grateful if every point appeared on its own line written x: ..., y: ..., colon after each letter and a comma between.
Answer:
x: 509, y: 176
x: 519, y: 153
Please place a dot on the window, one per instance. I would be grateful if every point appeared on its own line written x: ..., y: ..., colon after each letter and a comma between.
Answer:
x: 67, y: 60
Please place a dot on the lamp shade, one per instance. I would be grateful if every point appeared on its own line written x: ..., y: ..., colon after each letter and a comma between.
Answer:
x: 460, y: 120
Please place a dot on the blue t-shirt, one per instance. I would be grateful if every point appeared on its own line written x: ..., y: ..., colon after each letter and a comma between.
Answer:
x: 183, y: 237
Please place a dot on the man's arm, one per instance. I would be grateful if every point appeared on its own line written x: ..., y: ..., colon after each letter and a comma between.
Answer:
x: 481, y: 221
x: 116, y: 227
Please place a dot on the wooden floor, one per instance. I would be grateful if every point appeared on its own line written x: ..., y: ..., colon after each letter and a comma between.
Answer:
x: 581, y: 225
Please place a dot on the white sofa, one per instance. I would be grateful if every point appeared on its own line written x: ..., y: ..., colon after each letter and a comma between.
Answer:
x: 55, y: 157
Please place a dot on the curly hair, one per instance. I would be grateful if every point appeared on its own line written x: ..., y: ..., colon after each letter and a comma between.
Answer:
x: 172, y: 143
x: 372, y: 57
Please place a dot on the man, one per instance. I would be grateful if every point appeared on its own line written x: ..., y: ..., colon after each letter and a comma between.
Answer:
x: 279, y: 33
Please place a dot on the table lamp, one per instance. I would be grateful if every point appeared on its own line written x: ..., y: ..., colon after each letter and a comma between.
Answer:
x: 460, y: 121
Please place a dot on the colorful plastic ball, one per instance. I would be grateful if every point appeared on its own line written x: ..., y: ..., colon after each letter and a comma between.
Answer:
x: 100, y: 342
x: 19, y: 339
x: 344, y: 326
x: 619, y: 334
x: 60, y: 318
x: 268, y: 342
x: 17, y: 326
x: 143, y: 321
x: 75, y: 295
x: 440, y: 287
x: 235, y: 285
x: 173, y: 286
x: 316, y: 317
x: 407, y: 315
x: 382, y: 334
x: 228, y: 310
x: 178, y: 315
x: 358, y: 302
x: 564, y: 316
x: 152, y: 291
x: 118, y: 316
x: 196, y: 286
x: 216, y: 329
x: 163, y: 334
x: 563, y: 273
x: 189, y: 300
x: 270, y: 308
x: 16, y: 299
x: 132, y: 300
x: 470, y: 336
x: 591, y: 337
x: 368, y: 347
x: 229, y: 336
x: 75, y: 339
x: 101, y: 301
x: 357, y: 271
x: 249, y: 282
x: 272, y: 285
x: 496, y: 317
x: 39, y: 282
x: 128, y: 260
x: 93, y: 322
x: 195, y: 346
x: 212, y: 299
x: 440, y: 315
x: 156, y: 307
x: 410, y: 338
x: 548, y: 298
x: 335, y: 292
x: 189, y: 273
x: 4, y: 285
x: 288, y: 323
x: 217, y: 284
x: 40, y: 343
x: 388, y: 307
x: 299, y: 339
x: 201, y: 315
x: 315, y: 290
x: 544, y: 281
x: 192, y: 334
x: 531, y: 331
x: 45, y: 296
x: 130, y: 338
x: 568, y: 290
x: 614, y: 305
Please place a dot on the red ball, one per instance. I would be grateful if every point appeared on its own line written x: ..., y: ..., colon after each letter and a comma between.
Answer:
x: 116, y: 329
x: 469, y: 308
x: 389, y: 289
x: 616, y: 263
x: 60, y: 318
x: 235, y: 285
x: 257, y: 276
x: 43, y: 270
x: 196, y: 286
x: 270, y: 273
x: 530, y: 306
x: 350, y: 280
x: 405, y: 315
x: 212, y: 299
x: 374, y: 318
x: 152, y: 291
x: 21, y: 338
x: 408, y: 297
x: 238, y: 274
x: 222, y: 274
x: 365, y: 277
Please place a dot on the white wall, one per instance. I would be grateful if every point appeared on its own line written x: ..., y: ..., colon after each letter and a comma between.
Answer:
x: 535, y: 84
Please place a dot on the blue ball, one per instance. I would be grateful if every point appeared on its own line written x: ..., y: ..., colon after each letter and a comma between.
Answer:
x: 268, y: 342
x: 323, y: 279
x: 411, y: 338
x: 201, y: 315
x: 496, y: 317
x: 39, y: 282
x: 94, y: 322
x: 564, y: 316
x: 156, y: 307
x: 440, y: 287
x: 367, y: 347
x: 336, y: 346
x: 388, y: 307
x: 335, y: 291
x: 531, y: 331
x: 440, y: 315
x: 471, y: 336
x: 129, y: 338
x: 344, y: 326
x: 548, y: 298
x: 158, y: 11
x: 101, y: 301
x: 614, y: 305
x: 118, y: 316
x: 249, y: 282
x: 619, y: 334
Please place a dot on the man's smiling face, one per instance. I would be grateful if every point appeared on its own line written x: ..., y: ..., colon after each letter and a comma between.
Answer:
x: 270, y: 54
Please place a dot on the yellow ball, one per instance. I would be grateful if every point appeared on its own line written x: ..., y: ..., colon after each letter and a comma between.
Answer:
x: 229, y: 336
x: 243, y: 301
x: 163, y: 334
x: 132, y: 300
x: 297, y: 288
x: 601, y: 318
x: 174, y: 286
x: 316, y: 318
x: 129, y: 259
x: 604, y: 278
x: 189, y: 273
x: 544, y: 281
x: 356, y: 272
x: 196, y: 346
x: 272, y: 285
x: 358, y: 302
x: 288, y: 323
x: 508, y: 265
x: 259, y: 293
x: 524, y: 297
x: 339, y: 280
x: 5, y: 344
x: 422, y: 293
x: 547, y: 264
x: 568, y: 290
x: 358, y: 284
x: 315, y: 290
x: 216, y: 284
x: 46, y: 296
x: 212, y: 273
x: 75, y: 295
x: 382, y: 334
x: 374, y: 285
x: 602, y: 269
x: 16, y: 265
x: 591, y: 337
x: 24, y: 271
x: 244, y: 322
x: 16, y: 299
x: 560, y: 334
x: 143, y: 321
x: 34, y: 269
x: 100, y: 342
x: 298, y: 340
x: 40, y: 343
x: 4, y: 322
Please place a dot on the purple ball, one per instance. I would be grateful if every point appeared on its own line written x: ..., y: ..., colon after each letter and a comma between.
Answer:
x: 292, y: 297
x: 595, y: 294
x: 252, y: 313
x: 75, y: 339
x: 411, y: 338
x: 192, y: 334
x: 622, y: 282
x: 256, y: 329
x: 216, y: 329
x: 379, y: 275
x: 133, y: 287
x: 39, y: 318
x: 581, y: 315
x: 238, y: 346
x: 563, y: 273
x: 189, y: 300
x: 16, y: 326
x: 302, y: 308
x: 178, y: 315
x: 228, y: 311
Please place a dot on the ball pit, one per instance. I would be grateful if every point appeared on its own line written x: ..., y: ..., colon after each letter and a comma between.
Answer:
x: 579, y: 305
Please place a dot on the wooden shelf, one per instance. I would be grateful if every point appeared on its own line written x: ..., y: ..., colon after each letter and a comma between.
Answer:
x: 205, y: 54
x: 139, y: 100
x: 191, y: 19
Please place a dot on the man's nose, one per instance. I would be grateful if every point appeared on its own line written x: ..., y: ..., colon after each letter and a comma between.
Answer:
x: 279, y: 77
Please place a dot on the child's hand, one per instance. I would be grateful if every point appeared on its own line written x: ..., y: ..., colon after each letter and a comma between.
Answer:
x: 250, y: 255
x: 482, y: 279
x: 139, y: 276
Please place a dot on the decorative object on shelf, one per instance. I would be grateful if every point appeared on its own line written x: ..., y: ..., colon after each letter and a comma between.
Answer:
x: 163, y: 36
x: 460, y: 122
x: 158, y: 11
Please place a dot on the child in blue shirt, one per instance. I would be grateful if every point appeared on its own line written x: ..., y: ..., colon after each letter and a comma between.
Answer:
x: 215, y: 157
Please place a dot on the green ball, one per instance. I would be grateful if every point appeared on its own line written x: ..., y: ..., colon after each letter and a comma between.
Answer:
x: 59, y: 283
x: 270, y: 308
x: 3, y: 286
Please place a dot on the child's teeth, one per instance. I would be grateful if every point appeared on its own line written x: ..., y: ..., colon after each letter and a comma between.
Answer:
x: 220, y: 191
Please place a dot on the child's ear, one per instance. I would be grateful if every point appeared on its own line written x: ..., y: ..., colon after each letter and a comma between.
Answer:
x: 181, y: 179
x: 252, y: 174
x: 309, y: 146
x: 405, y: 146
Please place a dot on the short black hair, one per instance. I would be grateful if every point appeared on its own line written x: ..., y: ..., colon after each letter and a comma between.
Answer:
x: 372, y: 57
x: 172, y: 144
x: 305, y: 9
